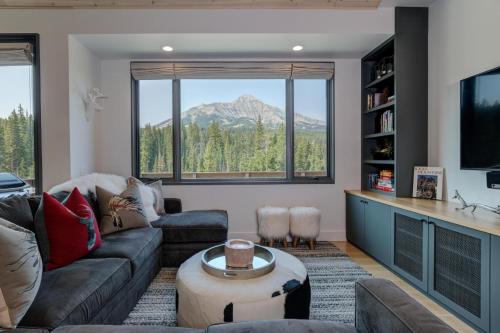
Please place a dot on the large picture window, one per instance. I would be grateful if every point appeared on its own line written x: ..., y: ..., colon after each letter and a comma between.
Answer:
x: 19, y: 109
x: 213, y: 128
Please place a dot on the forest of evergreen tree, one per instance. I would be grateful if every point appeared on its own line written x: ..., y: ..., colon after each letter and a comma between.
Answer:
x: 17, y: 143
x: 219, y: 149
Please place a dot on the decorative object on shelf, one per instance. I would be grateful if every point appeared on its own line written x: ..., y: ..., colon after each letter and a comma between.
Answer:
x: 91, y: 101
x: 428, y: 183
x: 383, y: 150
x: 474, y: 206
x: 377, y: 99
x: 384, y: 66
x: 239, y: 253
x: 390, y: 64
x: 304, y: 224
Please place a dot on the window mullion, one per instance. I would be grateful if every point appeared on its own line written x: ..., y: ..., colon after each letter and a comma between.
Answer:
x: 176, y: 123
x: 289, y: 130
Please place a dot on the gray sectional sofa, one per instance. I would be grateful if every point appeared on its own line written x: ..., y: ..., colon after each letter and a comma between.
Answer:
x: 103, y: 287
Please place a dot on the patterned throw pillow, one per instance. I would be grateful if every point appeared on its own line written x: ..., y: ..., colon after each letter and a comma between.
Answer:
x: 148, y: 198
x: 156, y: 190
x: 121, y: 211
x: 20, y: 272
x: 66, y: 231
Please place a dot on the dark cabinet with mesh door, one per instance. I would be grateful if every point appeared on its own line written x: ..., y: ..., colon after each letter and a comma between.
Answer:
x: 409, y: 245
x: 459, y: 270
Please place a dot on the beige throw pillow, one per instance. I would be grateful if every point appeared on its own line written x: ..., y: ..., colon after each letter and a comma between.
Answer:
x: 121, y: 211
x: 156, y: 190
x: 20, y: 272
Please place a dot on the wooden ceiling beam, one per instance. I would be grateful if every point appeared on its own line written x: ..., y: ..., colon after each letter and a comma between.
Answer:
x: 191, y: 4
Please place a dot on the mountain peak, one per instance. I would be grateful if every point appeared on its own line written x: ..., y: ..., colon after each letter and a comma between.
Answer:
x: 244, y: 112
x: 247, y: 99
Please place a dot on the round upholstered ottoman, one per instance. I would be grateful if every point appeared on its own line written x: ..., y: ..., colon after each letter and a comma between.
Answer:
x: 204, y: 299
x: 273, y: 223
x: 304, y: 224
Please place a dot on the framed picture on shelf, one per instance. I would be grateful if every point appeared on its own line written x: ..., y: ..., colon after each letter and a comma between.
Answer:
x: 428, y: 183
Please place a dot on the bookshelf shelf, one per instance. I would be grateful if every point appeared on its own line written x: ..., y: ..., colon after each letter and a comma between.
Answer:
x: 380, y: 162
x: 379, y: 135
x: 380, y: 81
x: 381, y: 107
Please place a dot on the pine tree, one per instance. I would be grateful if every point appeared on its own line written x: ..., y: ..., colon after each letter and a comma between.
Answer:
x: 213, y: 158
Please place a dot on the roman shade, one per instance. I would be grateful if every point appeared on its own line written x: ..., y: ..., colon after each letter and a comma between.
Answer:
x: 16, y: 54
x: 231, y: 70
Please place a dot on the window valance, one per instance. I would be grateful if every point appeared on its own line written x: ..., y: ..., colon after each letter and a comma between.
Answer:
x: 16, y: 54
x: 231, y: 70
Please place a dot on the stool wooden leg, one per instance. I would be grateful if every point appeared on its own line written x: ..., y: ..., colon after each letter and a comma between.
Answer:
x: 310, y: 244
x: 285, y: 243
x: 271, y: 242
x: 295, y: 241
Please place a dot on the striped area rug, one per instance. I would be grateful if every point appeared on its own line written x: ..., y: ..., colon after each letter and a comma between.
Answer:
x: 331, y: 272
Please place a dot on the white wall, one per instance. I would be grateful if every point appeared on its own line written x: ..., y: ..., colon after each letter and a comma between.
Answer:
x: 55, y: 26
x: 84, y: 73
x: 241, y: 202
x: 463, y: 41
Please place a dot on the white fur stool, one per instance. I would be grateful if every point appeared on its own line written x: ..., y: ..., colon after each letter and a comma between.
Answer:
x: 304, y: 224
x: 273, y: 224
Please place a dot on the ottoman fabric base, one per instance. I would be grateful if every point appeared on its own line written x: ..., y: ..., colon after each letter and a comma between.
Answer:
x: 204, y: 299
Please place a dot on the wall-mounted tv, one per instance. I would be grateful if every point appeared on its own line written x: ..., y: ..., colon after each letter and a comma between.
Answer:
x: 480, y: 121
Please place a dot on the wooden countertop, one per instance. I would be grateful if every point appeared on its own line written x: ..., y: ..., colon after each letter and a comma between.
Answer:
x: 442, y: 210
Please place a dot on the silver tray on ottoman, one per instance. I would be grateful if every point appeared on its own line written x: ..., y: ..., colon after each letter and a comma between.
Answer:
x: 213, y: 262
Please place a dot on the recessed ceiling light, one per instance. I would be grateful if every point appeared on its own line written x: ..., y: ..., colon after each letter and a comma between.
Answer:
x: 167, y: 48
x: 297, y: 48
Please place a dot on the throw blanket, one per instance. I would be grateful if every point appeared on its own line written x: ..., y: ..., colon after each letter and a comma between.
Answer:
x: 87, y: 183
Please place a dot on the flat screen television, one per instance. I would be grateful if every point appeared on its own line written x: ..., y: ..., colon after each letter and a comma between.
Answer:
x: 480, y: 121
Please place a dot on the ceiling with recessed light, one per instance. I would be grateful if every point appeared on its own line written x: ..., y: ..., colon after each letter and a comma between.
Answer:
x: 227, y: 46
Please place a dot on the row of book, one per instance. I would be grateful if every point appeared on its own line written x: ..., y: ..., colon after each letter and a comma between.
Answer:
x: 387, y: 121
x: 382, y: 180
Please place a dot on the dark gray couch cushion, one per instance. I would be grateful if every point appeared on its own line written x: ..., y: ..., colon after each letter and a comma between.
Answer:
x: 124, y: 329
x: 137, y: 245
x: 73, y: 294
x: 194, y: 226
x: 282, y: 326
x: 382, y: 307
x: 16, y: 209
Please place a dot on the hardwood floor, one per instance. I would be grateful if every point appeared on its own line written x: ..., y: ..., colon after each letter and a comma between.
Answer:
x: 377, y: 270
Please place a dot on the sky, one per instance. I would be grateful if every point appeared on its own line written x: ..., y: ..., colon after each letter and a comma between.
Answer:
x: 15, y: 88
x: 156, y: 95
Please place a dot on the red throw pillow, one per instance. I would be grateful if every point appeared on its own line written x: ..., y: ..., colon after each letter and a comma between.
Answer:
x: 71, y: 227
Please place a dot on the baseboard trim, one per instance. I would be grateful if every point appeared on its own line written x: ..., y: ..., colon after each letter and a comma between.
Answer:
x: 333, y: 235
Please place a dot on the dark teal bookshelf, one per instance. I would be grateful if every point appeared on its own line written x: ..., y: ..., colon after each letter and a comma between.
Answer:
x: 407, y: 84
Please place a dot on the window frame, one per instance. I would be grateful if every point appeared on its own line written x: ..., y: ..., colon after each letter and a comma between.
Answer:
x: 34, y: 40
x: 289, y: 132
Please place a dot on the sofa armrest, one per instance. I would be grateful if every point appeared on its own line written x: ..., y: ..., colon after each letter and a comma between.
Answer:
x: 172, y: 205
x: 381, y: 306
